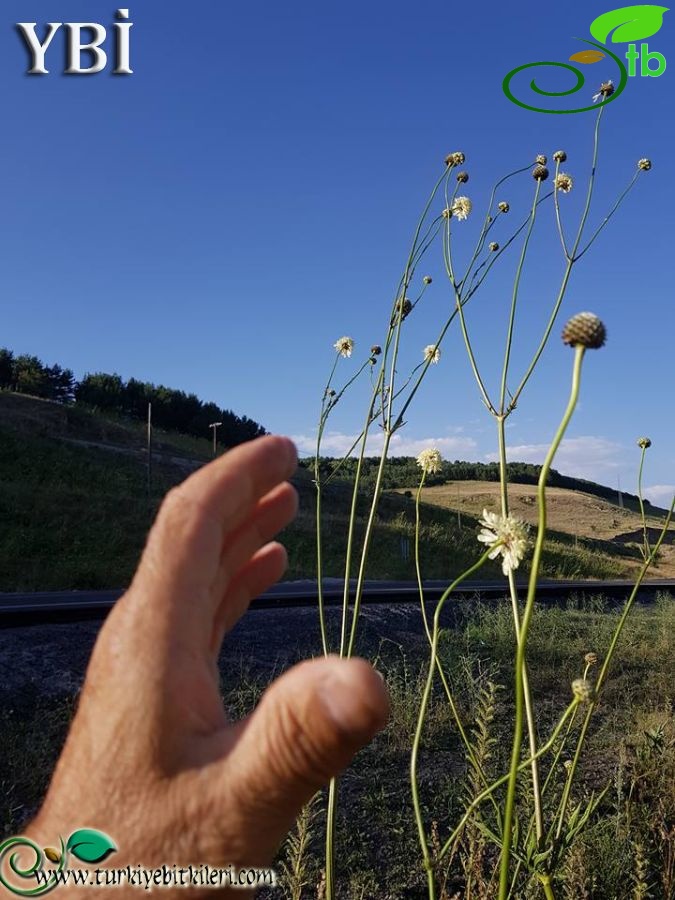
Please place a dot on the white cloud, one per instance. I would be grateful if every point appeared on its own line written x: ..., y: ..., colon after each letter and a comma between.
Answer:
x: 337, y: 443
x: 593, y: 458
x: 660, y: 494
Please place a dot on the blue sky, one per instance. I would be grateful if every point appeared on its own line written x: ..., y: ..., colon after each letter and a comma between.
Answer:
x: 217, y: 220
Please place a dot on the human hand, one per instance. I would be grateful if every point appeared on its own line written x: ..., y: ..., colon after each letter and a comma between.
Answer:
x: 151, y: 758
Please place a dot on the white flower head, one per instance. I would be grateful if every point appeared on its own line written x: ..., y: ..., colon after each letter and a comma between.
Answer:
x: 563, y: 182
x: 432, y: 353
x: 461, y: 208
x: 508, y: 537
x: 430, y: 461
x: 344, y: 346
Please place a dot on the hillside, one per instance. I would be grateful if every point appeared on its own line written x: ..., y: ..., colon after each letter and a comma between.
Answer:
x: 572, y: 513
x: 74, y: 510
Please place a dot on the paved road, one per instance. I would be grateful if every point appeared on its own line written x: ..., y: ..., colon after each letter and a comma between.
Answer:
x: 64, y: 606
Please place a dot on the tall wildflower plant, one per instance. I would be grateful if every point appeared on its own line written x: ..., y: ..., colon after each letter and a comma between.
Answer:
x: 532, y: 836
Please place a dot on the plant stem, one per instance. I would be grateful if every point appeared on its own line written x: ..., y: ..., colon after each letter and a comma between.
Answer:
x: 527, y: 617
x: 426, y: 855
x: 529, y: 711
x: 645, y: 548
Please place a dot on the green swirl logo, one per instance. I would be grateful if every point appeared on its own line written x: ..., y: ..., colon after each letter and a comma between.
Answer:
x: 85, y: 844
x: 629, y: 23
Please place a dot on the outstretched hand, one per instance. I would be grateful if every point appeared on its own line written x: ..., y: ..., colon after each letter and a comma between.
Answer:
x: 151, y: 758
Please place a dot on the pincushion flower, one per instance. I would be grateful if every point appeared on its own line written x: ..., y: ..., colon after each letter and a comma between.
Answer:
x: 430, y: 461
x: 508, y: 537
x: 344, y: 346
x: 432, y: 353
x: 461, y: 208
x: 563, y: 182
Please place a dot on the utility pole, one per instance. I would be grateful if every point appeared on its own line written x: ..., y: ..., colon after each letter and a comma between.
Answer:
x: 149, y: 445
x: 215, y: 426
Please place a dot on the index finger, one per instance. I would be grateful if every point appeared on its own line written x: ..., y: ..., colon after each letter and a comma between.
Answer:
x: 182, y: 555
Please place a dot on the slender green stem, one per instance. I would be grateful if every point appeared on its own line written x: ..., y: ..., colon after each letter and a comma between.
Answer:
x: 514, y: 297
x: 609, y: 215
x: 439, y: 668
x: 645, y: 536
x: 572, y: 258
x: 556, y: 203
x: 426, y: 854
x: 529, y: 709
x: 527, y: 617
x: 547, y: 886
x: 330, y: 838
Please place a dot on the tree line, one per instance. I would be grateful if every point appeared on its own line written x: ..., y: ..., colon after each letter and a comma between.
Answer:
x: 172, y: 409
x: 403, y: 472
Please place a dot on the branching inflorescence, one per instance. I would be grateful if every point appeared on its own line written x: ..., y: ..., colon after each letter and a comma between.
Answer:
x: 537, y: 849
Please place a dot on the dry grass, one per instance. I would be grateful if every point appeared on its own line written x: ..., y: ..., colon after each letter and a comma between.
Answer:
x: 572, y: 513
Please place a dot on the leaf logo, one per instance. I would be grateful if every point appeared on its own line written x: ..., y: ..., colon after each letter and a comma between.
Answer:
x: 630, y: 23
x: 90, y: 846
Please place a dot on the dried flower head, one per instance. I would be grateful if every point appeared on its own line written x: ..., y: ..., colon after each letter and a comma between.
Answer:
x: 591, y: 659
x: 568, y: 764
x: 427, y: 279
x: 454, y: 159
x: 560, y: 156
x: 376, y: 349
x: 461, y: 208
x: 540, y: 173
x: 606, y: 90
x: 507, y: 536
x: 583, y: 690
x: 644, y: 164
x: 344, y: 346
x: 541, y: 160
x: 403, y: 309
x: 432, y: 353
x: 503, y: 206
x: 563, y: 182
x: 430, y: 461
x: 585, y: 330
x: 462, y: 177
x: 493, y: 246
x: 644, y: 442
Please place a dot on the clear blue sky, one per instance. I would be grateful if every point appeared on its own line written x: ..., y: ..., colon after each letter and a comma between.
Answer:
x: 215, y: 221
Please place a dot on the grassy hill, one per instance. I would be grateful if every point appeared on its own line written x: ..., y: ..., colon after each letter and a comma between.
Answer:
x: 74, y: 510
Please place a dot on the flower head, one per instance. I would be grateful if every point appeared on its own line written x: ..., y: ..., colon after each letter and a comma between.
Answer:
x: 376, y: 349
x: 563, y: 182
x: 432, y: 353
x: 503, y: 206
x: 540, y: 173
x: 606, y: 90
x: 344, y: 346
x: 583, y: 690
x: 454, y: 159
x: 507, y: 536
x: 585, y: 330
x: 541, y: 160
x: 644, y: 442
x: 560, y: 156
x: 461, y: 208
x: 591, y: 659
x: 430, y: 461
x: 644, y: 164
x: 493, y: 246
x: 427, y: 279
x: 462, y: 177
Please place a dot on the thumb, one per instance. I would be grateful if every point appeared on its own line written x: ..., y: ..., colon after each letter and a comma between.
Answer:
x: 306, y: 729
